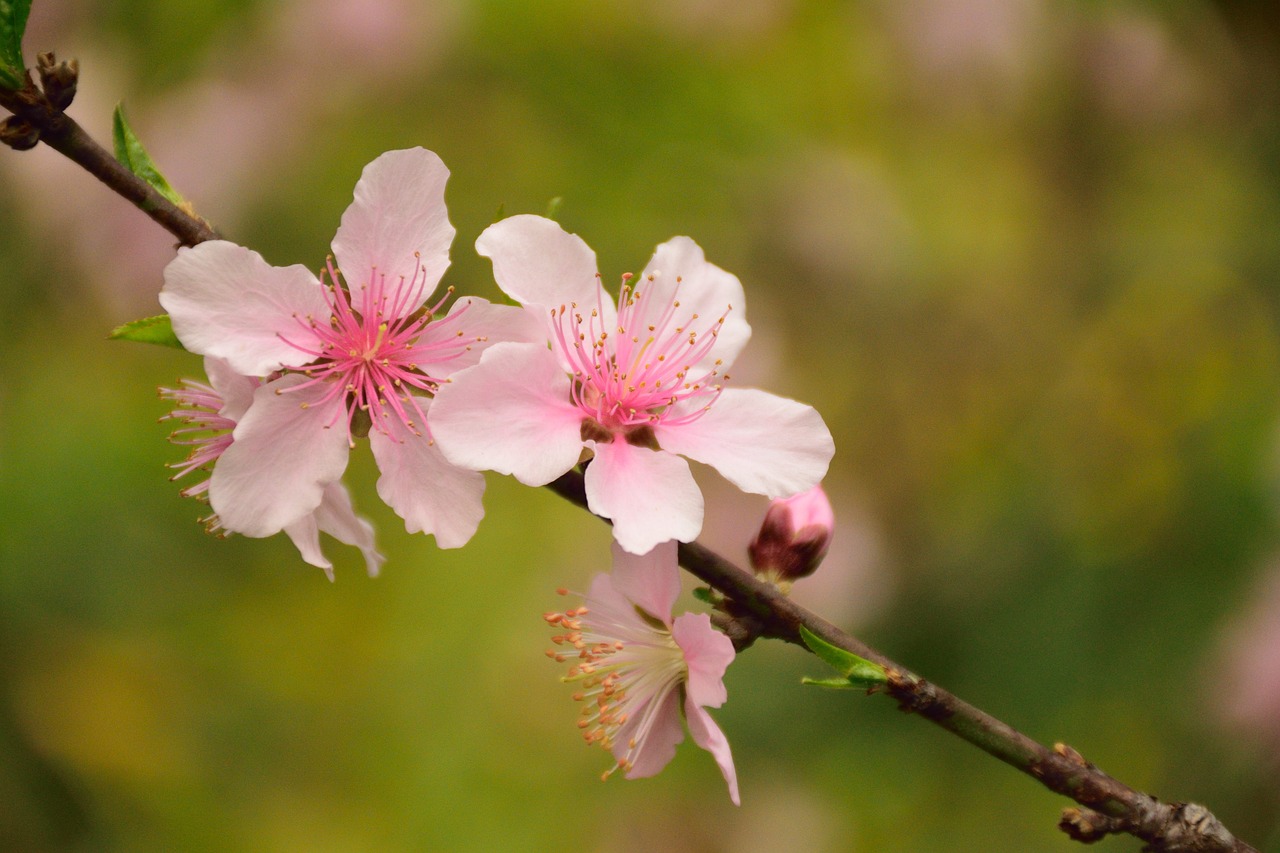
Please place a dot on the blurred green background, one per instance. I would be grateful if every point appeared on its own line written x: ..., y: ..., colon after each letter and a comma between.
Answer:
x: 1021, y: 254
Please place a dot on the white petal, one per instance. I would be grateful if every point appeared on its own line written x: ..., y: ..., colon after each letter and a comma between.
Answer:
x: 650, y: 495
x: 758, y: 441
x: 235, y: 390
x: 337, y: 517
x: 536, y: 262
x: 283, y: 456
x: 431, y: 495
x: 650, y: 581
x: 682, y: 272
x: 510, y: 413
x: 482, y: 324
x: 398, y: 211
x: 226, y: 301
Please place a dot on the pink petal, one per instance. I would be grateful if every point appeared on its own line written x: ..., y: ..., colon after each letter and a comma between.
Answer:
x: 651, y: 581
x: 704, y: 289
x: 536, y: 262
x: 226, y: 301
x: 337, y: 517
x: 235, y: 390
x: 305, y: 535
x: 283, y: 456
x: 510, y: 413
x: 398, y: 210
x: 707, y: 653
x: 656, y: 737
x: 480, y: 319
x: 431, y: 495
x: 760, y: 442
x: 650, y: 495
x: 707, y: 735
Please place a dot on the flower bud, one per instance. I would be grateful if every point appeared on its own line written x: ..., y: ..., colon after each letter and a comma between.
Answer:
x: 794, y: 536
x: 58, y: 79
x: 18, y: 134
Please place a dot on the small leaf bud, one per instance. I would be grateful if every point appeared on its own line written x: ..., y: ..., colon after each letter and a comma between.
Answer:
x: 794, y: 537
x: 58, y: 79
x: 18, y: 134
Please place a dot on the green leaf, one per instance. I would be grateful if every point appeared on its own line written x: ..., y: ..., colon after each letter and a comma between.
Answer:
x: 704, y: 594
x: 148, y: 330
x: 859, y: 671
x: 130, y: 152
x: 13, y: 23
x: 831, y: 683
x: 553, y: 207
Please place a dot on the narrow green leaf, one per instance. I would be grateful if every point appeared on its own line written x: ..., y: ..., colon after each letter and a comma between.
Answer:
x: 130, y: 152
x: 704, y: 594
x: 829, y: 683
x: 148, y: 330
x: 13, y: 23
x: 859, y: 671
x: 553, y: 207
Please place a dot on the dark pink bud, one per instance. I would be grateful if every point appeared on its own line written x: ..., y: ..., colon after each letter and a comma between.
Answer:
x: 794, y: 537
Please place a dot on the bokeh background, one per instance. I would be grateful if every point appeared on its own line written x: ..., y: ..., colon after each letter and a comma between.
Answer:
x: 1023, y: 255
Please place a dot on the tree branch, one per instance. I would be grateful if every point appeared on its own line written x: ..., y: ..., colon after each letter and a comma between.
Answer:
x: 761, y: 610
x: 1110, y: 806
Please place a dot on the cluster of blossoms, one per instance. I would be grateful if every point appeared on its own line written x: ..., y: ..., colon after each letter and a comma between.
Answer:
x: 301, y: 365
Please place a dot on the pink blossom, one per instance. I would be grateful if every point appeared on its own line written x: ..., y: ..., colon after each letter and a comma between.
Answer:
x: 209, y: 413
x: 635, y: 664
x: 638, y: 386
x: 359, y: 349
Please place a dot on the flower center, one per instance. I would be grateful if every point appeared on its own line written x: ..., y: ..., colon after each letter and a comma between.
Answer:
x: 625, y: 669
x: 371, y: 350
x: 635, y: 374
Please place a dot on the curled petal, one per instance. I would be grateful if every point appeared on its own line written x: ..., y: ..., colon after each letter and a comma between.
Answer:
x: 398, y: 211
x: 284, y: 455
x: 337, y: 517
x: 226, y: 301
x: 510, y: 413
x: 707, y: 735
x: 235, y: 390
x: 760, y: 442
x: 651, y: 581
x: 707, y: 653
x: 430, y: 494
x: 650, y: 495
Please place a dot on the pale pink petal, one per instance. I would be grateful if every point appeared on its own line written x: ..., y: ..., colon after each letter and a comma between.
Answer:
x: 305, y: 535
x: 398, y: 211
x: 650, y: 495
x: 707, y: 653
x: 283, y: 456
x: 758, y: 441
x: 431, y: 495
x: 482, y: 324
x: 235, y: 389
x: 656, y: 730
x: 226, y: 301
x: 510, y: 413
x: 650, y: 580
x: 707, y: 735
x: 337, y: 517
x: 536, y: 262
x: 702, y: 288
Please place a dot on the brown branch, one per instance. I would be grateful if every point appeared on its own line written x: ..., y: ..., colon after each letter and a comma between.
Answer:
x: 61, y: 132
x: 759, y: 608
x: 1110, y: 806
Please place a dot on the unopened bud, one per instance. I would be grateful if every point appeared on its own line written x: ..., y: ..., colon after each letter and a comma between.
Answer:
x: 794, y: 537
x: 18, y: 134
x: 58, y: 79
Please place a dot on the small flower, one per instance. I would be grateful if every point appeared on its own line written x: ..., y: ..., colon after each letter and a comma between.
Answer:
x: 209, y: 413
x: 638, y: 386
x: 361, y: 351
x: 635, y: 666
x: 794, y: 537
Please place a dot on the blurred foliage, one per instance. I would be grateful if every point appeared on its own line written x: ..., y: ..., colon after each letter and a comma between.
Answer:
x: 1021, y: 254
